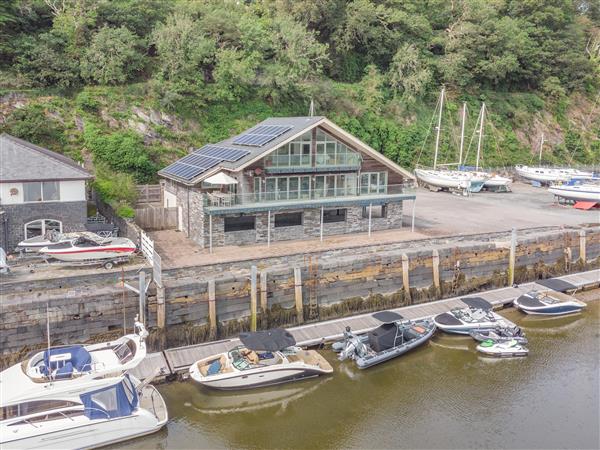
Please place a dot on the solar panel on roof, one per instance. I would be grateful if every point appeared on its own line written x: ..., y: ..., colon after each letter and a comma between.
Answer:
x: 222, y: 153
x: 182, y: 170
x: 199, y: 160
x: 259, y: 136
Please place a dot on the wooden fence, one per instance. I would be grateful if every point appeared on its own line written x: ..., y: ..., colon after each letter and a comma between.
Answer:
x: 149, y: 193
x: 157, y: 218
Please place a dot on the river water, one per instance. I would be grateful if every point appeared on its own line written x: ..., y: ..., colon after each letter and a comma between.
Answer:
x: 443, y: 395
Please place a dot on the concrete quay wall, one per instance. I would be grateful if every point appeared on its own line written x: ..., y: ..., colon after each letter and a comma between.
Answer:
x: 342, y: 282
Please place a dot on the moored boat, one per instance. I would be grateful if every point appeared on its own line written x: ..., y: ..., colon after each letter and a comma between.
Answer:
x: 85, y: 249
x: 51, y: 238
x: 393, y: 338
x: 504, y: 349
x: 264, y: 358
x: 478, y: 315
x: 548, y: 304
x: 500, y: 334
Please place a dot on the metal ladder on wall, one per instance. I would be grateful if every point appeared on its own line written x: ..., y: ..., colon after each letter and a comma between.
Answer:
x: 456, y: 277
x: 311, y: 284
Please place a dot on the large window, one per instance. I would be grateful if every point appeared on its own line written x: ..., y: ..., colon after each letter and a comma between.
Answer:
x: 288, y: 219
x: 286, y: 188
x: 335, y: 185
x: 239, y: 223
x: 41, y: 227
x: 294, y: 154
x: 377, y: 211
x: 373, y: 183
x: 331, y: 152
x: 46, y: 191
x: 33, y: 407
x: 334, y: 215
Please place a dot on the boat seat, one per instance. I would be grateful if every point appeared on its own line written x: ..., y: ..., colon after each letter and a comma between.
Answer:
x: 252, y: 357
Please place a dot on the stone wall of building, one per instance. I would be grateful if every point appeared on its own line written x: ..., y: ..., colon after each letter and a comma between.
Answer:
x: 192, y: 205
x: 72, y: 215
x: 83, y: 308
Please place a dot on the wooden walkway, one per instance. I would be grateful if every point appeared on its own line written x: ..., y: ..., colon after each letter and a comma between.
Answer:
x: 177, y: 360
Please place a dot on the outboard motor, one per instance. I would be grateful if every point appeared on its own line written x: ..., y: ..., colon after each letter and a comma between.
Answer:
x: 354, y: 346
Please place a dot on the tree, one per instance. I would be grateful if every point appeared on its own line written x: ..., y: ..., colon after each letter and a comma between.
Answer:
x: 113, y: 57
x: 234, y: 74
x: 371, y: 92
x: 31, y: 124
x: 409, y: 74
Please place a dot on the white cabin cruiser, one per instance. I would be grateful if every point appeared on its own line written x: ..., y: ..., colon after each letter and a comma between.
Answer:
x: 478, y: 315
x: 36, y: 243
x: 582, y: 192
x: 74, y: 404
x: 86, y: 249
x: 548, y: 304
x: 265, y: 358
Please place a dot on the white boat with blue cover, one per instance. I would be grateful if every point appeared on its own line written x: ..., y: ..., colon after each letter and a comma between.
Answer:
x: 76, y: 397
x: 393, y: 338
x: 478, y: 315
x: 548, y: 304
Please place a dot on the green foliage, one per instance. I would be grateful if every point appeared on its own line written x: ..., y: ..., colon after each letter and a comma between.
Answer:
x: 121, y: 151
x: 86, y: 101
x: 32, y: 124
x: 113, y: 56
x: 115, y: 188
x: 409, y: 74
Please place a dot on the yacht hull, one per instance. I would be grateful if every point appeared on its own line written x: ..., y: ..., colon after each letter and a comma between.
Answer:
x: 554, y: 309
x: 577, y: 193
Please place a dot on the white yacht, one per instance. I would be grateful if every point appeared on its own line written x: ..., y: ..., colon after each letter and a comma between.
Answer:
x: 584, y: 192
x: 265, y: 358
x: 478, y: 315
x: 79, y: 397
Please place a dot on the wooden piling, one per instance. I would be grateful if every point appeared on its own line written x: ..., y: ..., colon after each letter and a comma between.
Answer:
x: 212, y: 308
x: 298, y: 295
x: 405, y: 276
x: 512, y: 257
x: 253, y: 298
x: 435, y: 262
x: 161, y: 314
x: 582, y: 246
x: 263, y: 292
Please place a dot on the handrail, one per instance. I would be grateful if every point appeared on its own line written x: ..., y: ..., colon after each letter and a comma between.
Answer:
x: 98, y: 409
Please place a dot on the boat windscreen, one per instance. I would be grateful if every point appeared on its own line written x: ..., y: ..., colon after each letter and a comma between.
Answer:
x: 387, y: 316
x: 269, y: 340
x: 477, y: 302
x: 530, y: 300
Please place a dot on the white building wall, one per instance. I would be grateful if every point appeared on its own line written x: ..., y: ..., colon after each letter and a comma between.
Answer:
x: 169, y: 199
x: 72, y: 191
x: 6, y: 198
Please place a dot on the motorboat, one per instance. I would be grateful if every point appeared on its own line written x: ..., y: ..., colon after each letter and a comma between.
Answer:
x: 85, y: 249
x: 57, y: 364
x: 584, y: 192
x: 548, y: 303
x: 50, y: 238
x: 478, y: 315
x: 504, y: 349
x: 393, y: 338
x: 500, y: 335
x: 264, y: 358
x: 78, y: 400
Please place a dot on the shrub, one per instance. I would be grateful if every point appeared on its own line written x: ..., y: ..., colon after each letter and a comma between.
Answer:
x: 87, y: 102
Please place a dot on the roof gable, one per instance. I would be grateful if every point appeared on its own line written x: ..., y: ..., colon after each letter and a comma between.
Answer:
x: 23, y: 161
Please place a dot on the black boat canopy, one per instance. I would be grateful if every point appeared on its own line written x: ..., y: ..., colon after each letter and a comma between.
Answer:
x: 477, y: 302
x: 387, y: 316
x: 269, y: 340
x: 530, y: 300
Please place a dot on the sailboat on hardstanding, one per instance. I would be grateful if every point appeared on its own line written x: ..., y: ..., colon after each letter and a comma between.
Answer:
x: 447, y: 179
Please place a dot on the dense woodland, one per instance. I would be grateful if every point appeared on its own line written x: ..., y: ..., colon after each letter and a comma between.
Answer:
x: 130, y: 85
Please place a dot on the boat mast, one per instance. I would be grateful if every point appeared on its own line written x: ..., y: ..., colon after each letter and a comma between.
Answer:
x: 541, y: 146
x: 462, y: 134
x: 482, y: 116
x: 439, y: 128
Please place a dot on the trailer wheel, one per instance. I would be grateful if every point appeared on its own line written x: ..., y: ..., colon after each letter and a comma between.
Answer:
x: 108, y: 265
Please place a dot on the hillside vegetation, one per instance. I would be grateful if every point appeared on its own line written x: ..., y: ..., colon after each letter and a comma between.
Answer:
x: 128, y: 86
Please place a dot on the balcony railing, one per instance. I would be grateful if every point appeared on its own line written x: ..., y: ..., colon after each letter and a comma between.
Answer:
x: 220, y: 199
x: 321, y: 160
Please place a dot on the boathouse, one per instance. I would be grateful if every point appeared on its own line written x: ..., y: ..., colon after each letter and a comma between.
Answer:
x: 285, y: 178
x: 40, y: 191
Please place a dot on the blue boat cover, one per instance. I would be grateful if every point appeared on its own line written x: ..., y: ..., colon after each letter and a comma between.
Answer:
x: 118, y: 400
x: 80, y: 359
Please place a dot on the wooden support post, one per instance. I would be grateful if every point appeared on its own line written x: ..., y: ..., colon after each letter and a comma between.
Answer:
x: 435, y: 262
x: 412, y: 223
x: 568, y: 258
x: 298, y: 295
x: 582, y: 246
x: 212, y: 308
x: 210, y: 233
x: 253, y: 298
x: 512, y: 257
x: 405, y: 276
x: 161, y: 314
x: 370, y: 215
x: 263, y: 291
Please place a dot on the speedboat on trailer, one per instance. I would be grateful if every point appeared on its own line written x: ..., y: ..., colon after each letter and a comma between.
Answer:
x: 86, y: 249
x: 500, y: 334
x: 36, y: 243
x: 504, y: 349
x: 478, y: 315
x: 83, y: 399
x: 548, y: 304
x: 264, y: 358
x: 393, y: 338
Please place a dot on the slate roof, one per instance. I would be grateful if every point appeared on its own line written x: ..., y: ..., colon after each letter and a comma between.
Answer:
x: 299, y: 125
x: 23, y: 161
